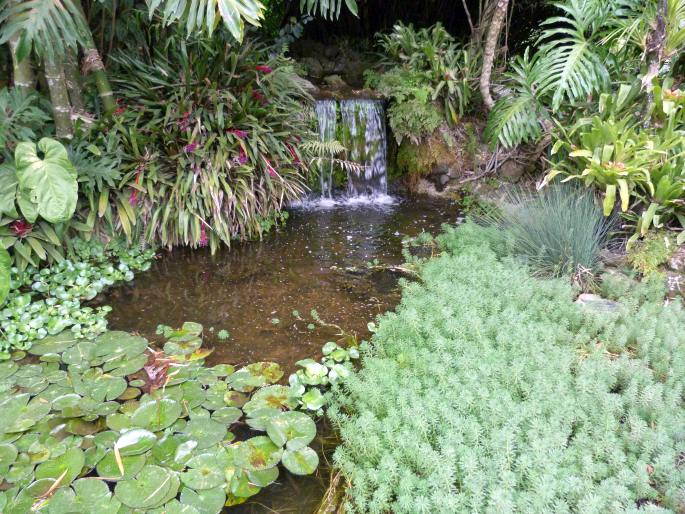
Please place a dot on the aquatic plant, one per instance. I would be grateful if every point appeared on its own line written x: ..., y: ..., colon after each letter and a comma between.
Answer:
x: 489, y: 389
x: 46, y: 301
x: 557, y: 231
x: 112, y: 425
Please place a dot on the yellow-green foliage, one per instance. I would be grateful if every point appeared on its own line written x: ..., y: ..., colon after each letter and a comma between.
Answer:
x: 489, y: 390
x: 651, y: 252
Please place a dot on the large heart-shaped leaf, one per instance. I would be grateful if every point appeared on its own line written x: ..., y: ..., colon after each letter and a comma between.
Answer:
x: 49, y: 183
x: 293, y: 428
x: 149, y: 489
x: 301, y: 462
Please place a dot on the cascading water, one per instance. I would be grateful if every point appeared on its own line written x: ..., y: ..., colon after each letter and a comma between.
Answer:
x: 364, y: 135
x: 326, y: 113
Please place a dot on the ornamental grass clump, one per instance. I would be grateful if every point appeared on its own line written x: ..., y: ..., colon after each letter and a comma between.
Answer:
x: 557, y: 231
x: 490, y: 390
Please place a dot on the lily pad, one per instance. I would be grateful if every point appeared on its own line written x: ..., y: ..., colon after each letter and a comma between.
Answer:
x: 175, y: 507
x: 148, y: 490
x: 209, y: 501
x: 89, y: 496
x: 54, y: 344
x: 241, y: 487
x: 227, y: 415
x: 244, y: 381
x: 258, y: 419
x: 204, y: 472
x: 115, y: 344
x: 64, y: 468
x: 7, y: 369
x: 8, y: 454
x: 293, y: 428
x: 205, y: 431
x: 99, y: 385
x: 257, y: 453
x: 270, y: 371
x: 109, y: 469
x: 173, y: 451
x: 235, y: 399
x: 275, y: 396
x: 301, y: 462
x: 79, y: 354
x: 263, y: 478
x: 156, y: 415
x: 135, y: 442
x: 313, y: 399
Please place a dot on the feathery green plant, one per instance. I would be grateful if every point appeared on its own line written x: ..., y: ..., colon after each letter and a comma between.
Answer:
x: 489, y: 390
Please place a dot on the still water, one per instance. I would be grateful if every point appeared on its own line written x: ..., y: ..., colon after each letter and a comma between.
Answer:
x: 252, y: 289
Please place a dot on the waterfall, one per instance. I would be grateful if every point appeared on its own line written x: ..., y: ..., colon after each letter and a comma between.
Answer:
x: 364, y: 135
x: 326, y: 113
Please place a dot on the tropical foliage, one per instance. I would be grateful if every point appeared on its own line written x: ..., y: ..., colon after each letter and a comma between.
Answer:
x: 427, y: 76
x: 452, y: 412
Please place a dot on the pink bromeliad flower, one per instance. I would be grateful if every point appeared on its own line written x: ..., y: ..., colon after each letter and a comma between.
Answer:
x: 204, y: 240
x: 259, y: 97
x: 270, y: 168
x: 293, y: 153
x: 189, y: 148
x: 21, y: 228
x: 240, y: 134
x: 263, y: 68
x: 242, y: 157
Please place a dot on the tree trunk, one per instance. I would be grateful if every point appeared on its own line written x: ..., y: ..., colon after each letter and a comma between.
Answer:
x: 73, y: 77
x: 24, y: 80
x: 490, y: 50
x: 59, y: 97
x: 92, y: 62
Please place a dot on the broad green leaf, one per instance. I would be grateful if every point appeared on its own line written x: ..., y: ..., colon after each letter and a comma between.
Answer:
x: 148, y: 490
x: 5, y: 269
x: 301, y: 462
x: 135, y: 442
x: 257, y: 453
x: 64, y: 468
x: 204, y: 473
x: 49, y: 182
x: 294, y: 428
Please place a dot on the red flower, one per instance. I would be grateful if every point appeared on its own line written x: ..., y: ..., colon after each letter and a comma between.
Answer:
x: 240, y: 134
x: 259, y: 97
x: 190, y: 147
x: 263, y: 68
x: 204, y: 240
x: 133, y: 199
x: 119, y: 111
x: 21, y: 228
x: 293, y: 153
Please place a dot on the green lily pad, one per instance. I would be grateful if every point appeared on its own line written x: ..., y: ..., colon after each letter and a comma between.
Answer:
x: 79, y: 354
x: 175, y: 507
x: 257, y: 453
x: 173, y: 451
x: 115, y: 344
x: 227, y: 415
x: 301, y: 462
x: 222, y: 370
x: 235, y: 399
x: 126, y: 366
x: 244, y: 381
x: 204, y: 473
x: 275, y: 396
x: 241, y: 487
x: 89, y: 496
x: 258, y: 419
x: 270, y: 371
x: 71, y: 462
x: 264, y: 477
x: 137, y: 383
x: 193, y: 394
x: 209, y: 501
x: 109, y: 469
x: 182, y: 345
x: 15, y: 417
x: 156, y: 415
x: 205, y: 431
x: 148, y: 490
x: 7, y: 369
x: 54, y: 344
x: 293, y: 428
x: 135, y: 442
x: 99, y: 385
x: 313, y: 399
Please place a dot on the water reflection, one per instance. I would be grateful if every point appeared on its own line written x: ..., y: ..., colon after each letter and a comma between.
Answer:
x: 252, y: 289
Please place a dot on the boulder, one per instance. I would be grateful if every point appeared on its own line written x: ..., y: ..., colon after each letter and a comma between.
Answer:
x: 596, y: 302
x: 512, y: 170
x: 313, y: 67
x: 675, y: 284
x: 677, y: 261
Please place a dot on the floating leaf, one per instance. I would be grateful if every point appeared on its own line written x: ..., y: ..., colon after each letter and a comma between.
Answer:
x: 275, y: 396
x: 148, y: 490
x: 241, y: 487
x: 209, y: 501
x: 205, y: 431
x: 204, y: 473
x: 89, y: 496
x: 175, y: 507
x: 313, y: 399
x: 244, y: 381
x: 115, y: 344
x: 109, y: 468
x: 53, y: 344
x: 156, y: 415
x: 64, y: 468
x: 235, y: 399
x: 257, y: 453
x: 99, y: 385
x: 293, y: 428
x: 260, y: 417
x: 135, y: 442
x: 301, y: 462
x: 227, y: 415
x: 270, y: 371
x: 8, y: 454
x: 264, y: 477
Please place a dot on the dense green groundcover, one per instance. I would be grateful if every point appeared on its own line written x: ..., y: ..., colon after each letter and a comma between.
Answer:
x: 489, y: 390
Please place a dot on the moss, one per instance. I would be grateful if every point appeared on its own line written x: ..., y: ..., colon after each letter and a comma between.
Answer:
x: 648, y: 254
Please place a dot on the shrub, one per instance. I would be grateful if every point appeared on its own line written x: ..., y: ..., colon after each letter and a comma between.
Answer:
x: 489, y: 390
x: 558, y: 231
x: 648, y: 254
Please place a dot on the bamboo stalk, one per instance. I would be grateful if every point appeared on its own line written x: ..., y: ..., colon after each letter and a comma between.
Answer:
x: 73, y: 81
x: 59, y: 97
x: 22, y: 73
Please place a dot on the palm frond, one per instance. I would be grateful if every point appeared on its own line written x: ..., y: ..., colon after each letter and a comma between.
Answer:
x: 50, y: 27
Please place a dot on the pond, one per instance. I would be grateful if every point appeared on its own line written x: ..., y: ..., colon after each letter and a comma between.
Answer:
x: 252, y: 289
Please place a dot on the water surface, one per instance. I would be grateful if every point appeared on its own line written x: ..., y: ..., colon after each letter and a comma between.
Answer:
x: 252, y: 289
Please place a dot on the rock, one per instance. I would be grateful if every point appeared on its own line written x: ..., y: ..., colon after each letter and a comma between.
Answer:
x: 596, y: 302
x: 675, y: 284
x: 512, y: 170
x: 335, y: 82
x: 677, y: 260
x: 313, y: 66
x: 613, y: 259
x: 309, y: 87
